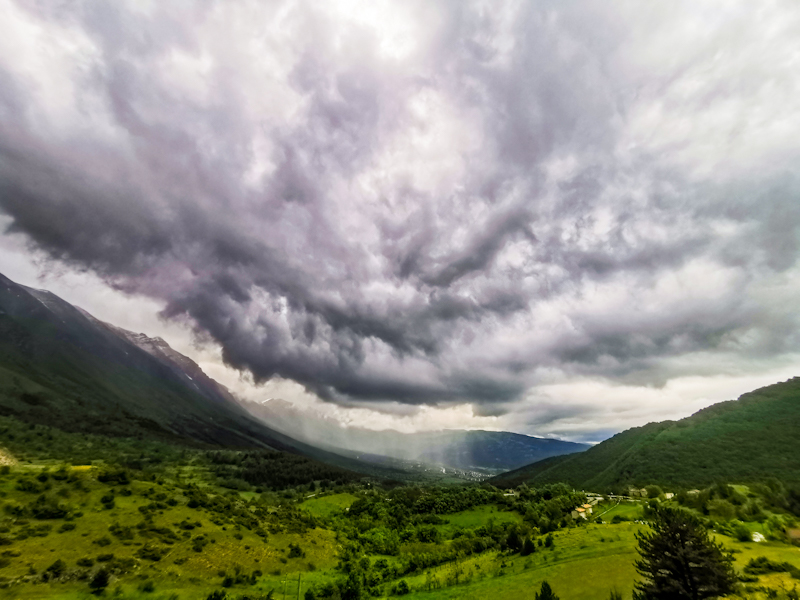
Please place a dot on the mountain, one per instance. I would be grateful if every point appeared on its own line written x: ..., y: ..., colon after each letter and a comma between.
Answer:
x: 61, y: 367
x: 486, y: 452
x: 745, y: 440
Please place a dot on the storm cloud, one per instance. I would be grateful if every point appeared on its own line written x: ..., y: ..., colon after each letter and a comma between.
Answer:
x: 422, y: 202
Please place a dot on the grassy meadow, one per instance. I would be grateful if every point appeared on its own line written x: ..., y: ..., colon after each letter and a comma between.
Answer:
x: 178, y: 534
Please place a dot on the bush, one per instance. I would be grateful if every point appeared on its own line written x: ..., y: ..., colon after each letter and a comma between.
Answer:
x: 57, y: 569
x: 762, y: 565
x: 742, y: 533
x: 100, y: 581
x: 152, y: 552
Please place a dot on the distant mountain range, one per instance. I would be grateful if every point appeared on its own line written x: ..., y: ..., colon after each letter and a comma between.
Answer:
x: 750, y: 439
x: 62, y: 367
x: 486, y: 452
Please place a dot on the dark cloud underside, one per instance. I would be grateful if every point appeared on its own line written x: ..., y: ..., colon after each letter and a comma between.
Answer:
x: 432, y: 214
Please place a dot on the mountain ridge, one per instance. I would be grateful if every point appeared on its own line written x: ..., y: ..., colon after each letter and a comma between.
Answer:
x: 749, y: 439
x: 484, y: 451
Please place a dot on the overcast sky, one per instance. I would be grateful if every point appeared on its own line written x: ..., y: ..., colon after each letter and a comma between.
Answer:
x: 560, y: 218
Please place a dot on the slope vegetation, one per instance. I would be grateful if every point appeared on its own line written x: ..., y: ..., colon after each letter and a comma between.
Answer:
x: 749, y: 439
x: 62, y: 368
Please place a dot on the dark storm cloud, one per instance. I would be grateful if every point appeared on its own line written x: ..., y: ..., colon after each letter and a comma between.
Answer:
x: 424, y: 225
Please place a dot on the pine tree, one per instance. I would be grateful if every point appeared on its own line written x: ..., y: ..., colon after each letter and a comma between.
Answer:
x: 546, y: 593
x: 679, y: 561
x: 528, y: 547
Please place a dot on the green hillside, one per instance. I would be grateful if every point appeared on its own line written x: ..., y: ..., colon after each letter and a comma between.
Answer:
x: 749, y: 439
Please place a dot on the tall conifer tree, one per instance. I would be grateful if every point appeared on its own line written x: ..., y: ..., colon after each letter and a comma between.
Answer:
x: 679, y: 561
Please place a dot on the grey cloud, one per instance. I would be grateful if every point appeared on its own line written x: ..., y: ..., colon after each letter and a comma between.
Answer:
x: 346, y: 271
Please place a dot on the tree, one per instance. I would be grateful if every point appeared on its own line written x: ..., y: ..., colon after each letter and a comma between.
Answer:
x: 653, y: 491
x: 528, y: 547
x: 513, y: 541
x: 679, y: 561
x: 546, y: 592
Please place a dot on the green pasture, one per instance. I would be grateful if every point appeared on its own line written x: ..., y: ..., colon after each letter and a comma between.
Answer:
x: 585, y: 563
x: 481, y: 515
x: 327, y: 506
x: 630, y: 511
x: 87, y: 535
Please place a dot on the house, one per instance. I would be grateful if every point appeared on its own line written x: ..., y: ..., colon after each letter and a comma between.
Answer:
x: 692, y: 492
x: 579, y: 513
x: 669, y: 495
x: 637, y: 493
x: 587, y: 508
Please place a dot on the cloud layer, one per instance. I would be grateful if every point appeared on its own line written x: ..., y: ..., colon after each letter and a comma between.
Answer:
x: 423, y: 203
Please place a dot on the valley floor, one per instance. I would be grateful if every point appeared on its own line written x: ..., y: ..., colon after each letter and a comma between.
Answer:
x: 178, y: 537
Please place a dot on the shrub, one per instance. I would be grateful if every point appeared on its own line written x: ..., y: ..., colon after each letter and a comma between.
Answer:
x: 742, y: 533
x: 100, y: 581
x: 57, y: 569
x: 762, y: 565
x: 119, y: 476
x: 85, y: 562
x: 152, y: 552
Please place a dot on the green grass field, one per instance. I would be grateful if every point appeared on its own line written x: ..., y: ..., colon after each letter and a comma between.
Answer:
x: 481, y: 515
x: 585, y: 562
x: 327, y: 506
x: 165, y: 547
x: 94, y: 535
x: 627, y: 510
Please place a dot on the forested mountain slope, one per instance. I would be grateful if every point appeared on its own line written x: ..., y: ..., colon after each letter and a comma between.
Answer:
x: 62, y: 368
x: 749, y: 439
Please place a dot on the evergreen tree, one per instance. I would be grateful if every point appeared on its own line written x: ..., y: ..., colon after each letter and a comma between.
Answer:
x: 546, y: 593
x: 528, y: 547
x: 679, y: 561
x: 513, y: 541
